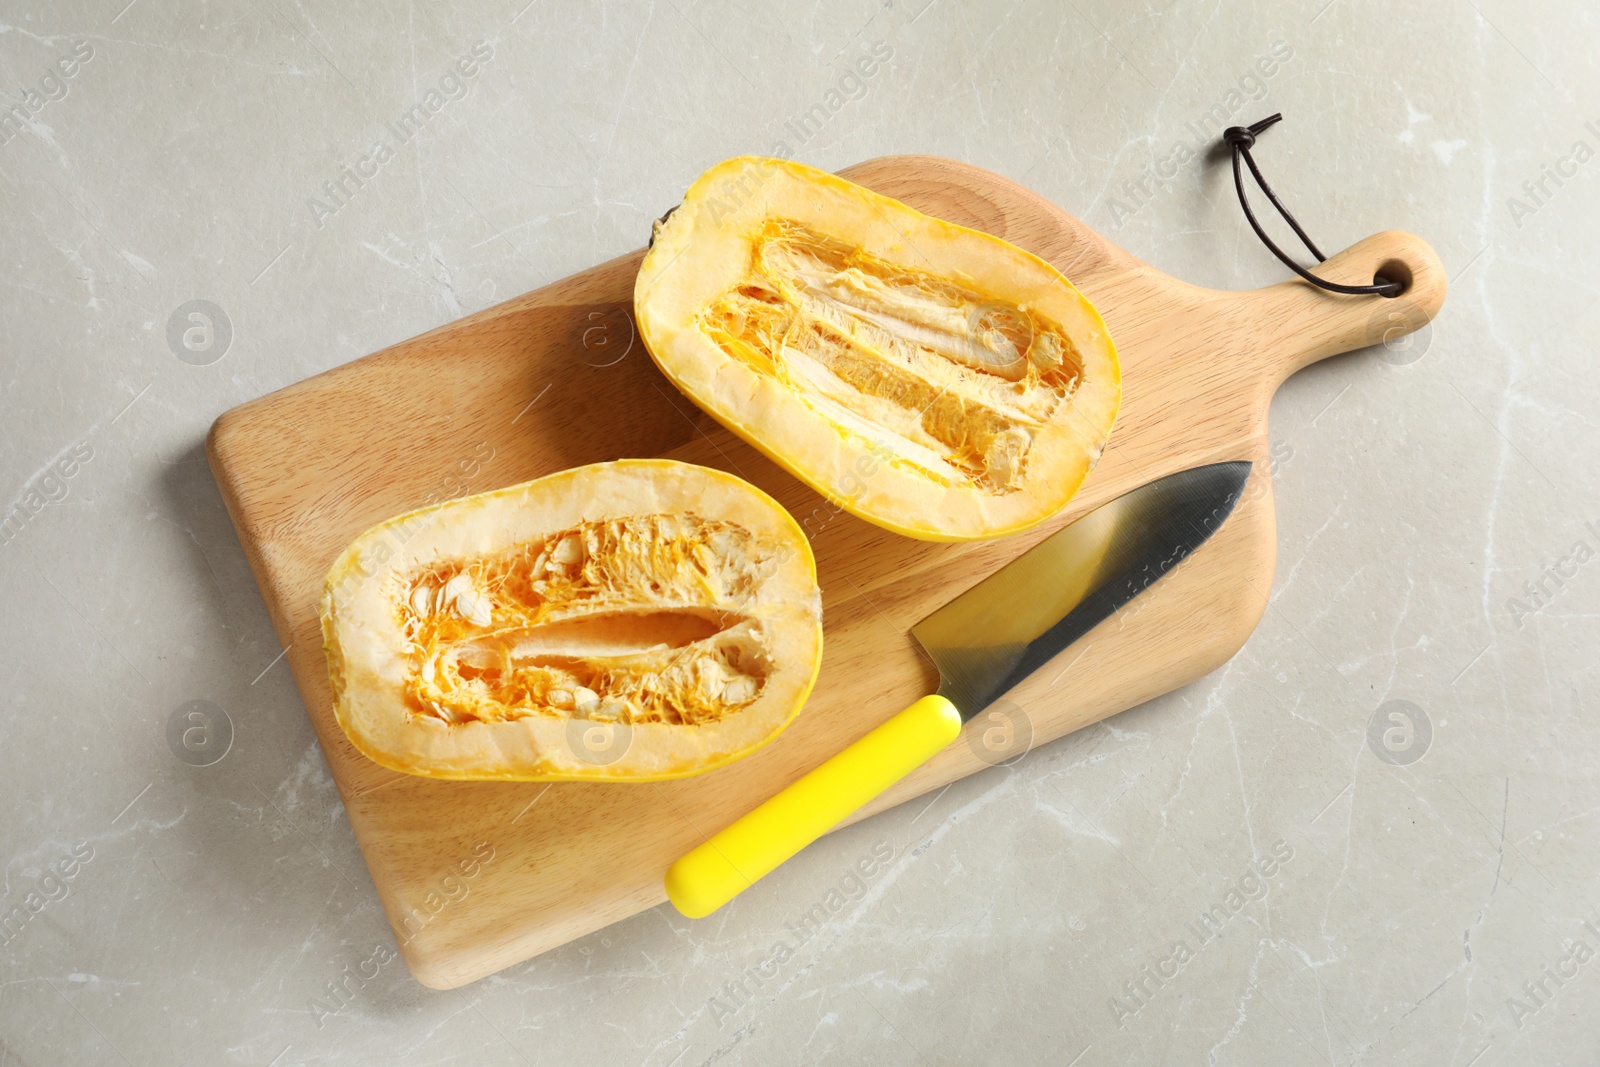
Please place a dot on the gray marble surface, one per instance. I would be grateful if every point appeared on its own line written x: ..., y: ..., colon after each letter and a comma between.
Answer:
x: 1431, y: 891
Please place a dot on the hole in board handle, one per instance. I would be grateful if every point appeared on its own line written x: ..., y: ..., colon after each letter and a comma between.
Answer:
x: 1394, y: 271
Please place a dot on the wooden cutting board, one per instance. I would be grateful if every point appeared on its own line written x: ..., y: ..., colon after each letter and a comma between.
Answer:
x: 478, y: 876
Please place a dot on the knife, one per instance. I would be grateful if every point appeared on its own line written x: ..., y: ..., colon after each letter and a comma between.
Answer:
x: 983, y: 642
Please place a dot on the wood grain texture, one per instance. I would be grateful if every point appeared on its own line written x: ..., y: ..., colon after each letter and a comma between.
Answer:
x: 556, y: 378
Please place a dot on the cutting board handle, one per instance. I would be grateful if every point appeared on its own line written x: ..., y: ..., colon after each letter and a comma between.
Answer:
x: 1297, y: 324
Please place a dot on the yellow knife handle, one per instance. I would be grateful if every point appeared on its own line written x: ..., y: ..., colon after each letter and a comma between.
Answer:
x: 736, y: 857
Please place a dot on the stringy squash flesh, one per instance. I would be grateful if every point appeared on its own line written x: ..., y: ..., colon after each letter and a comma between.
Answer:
x: 634, y: 620
x: 932, y: 379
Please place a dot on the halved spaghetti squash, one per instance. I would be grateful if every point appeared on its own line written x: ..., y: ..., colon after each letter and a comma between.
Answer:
x: 634, y: 620
x: 929, y: 378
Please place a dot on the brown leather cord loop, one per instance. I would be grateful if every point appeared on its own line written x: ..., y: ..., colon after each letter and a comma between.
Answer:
x: 1240, y: 139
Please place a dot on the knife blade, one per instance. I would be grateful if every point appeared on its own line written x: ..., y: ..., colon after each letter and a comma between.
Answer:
x: 984, y: 642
